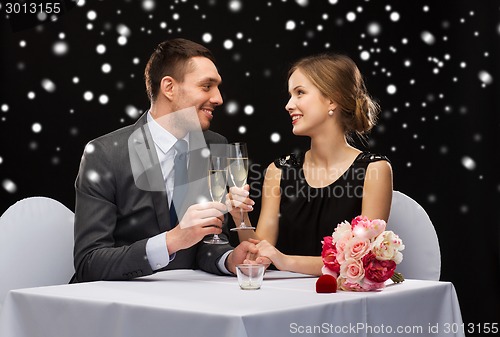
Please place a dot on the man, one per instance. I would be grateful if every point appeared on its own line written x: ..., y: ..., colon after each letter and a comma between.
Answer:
x: 125, y: 226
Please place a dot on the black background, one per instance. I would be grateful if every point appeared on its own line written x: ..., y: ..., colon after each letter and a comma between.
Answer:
x: 439, y: 128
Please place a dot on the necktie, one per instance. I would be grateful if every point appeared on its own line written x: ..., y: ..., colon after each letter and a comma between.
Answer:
x: 180, y: 180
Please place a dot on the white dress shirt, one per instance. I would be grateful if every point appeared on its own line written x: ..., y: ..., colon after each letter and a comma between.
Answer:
x: 156, y: 247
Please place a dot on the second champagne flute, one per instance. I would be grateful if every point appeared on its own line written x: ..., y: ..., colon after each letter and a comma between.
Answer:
x: 238, y: 170
x: 217, y: 181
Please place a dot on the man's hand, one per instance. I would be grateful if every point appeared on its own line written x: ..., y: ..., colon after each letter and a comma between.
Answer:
x: 198, y: 221
x: 239, y: 255
x: 267, y: 254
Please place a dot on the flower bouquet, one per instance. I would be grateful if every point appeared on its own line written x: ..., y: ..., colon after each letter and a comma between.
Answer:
x: 362, y: 255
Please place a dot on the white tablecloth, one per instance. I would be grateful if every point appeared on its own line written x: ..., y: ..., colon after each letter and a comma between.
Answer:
x: 193, y: 303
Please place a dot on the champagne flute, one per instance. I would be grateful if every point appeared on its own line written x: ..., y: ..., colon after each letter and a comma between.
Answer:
x: 238, y: 170
x: 217, y: 181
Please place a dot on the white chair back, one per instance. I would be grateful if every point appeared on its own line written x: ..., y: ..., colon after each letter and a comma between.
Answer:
x: 421, y: 256
x: 36, y: 245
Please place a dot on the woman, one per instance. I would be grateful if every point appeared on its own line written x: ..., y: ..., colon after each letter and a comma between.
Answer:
x: 306, y: 195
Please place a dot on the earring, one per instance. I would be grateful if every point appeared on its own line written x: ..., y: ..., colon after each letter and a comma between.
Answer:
x: 330, y: 112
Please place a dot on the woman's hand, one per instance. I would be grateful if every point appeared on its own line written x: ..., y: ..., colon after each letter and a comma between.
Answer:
x: 268, y: 253
x: 238, y: 200
x: 240, y: 255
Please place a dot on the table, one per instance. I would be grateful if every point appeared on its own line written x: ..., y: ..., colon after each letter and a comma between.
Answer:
x: 194, y: 303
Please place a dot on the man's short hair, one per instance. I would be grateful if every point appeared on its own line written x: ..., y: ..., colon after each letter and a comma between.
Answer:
x: 171, y: 58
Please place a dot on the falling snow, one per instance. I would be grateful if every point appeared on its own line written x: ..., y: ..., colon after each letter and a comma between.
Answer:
x: 248, y: 109
x: 91, y: 15
x: 207, y: 37
x: 228, y: 44
x: 374, y: 29
x: 9, y: 186
x: 123, y: 30
x: 395, y: 16
x: 60, y: 48
x: 36, y: 127
x: 93, y: 176
x: 70, y: 78
x: 88, y: 96
x: 365, y: 56
x: 132, y: 111
x: 48, y: 85
x: 485, y: 77
x: 231, y: 107
x: 235, y: 5
x: 148, y: 5
x: 468, y: 163
x: 427, y: 37
x: 391, y: 89
x: 290, y: 25
x: 103, y: 99
x: 377, y: 38
x: 351, y: 16
x: 101, y: 49
x: 106, y: 68
x: 122, y: 40
x: 90, y: 148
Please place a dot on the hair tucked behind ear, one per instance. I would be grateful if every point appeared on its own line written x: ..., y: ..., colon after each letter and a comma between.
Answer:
x: 338, y: 78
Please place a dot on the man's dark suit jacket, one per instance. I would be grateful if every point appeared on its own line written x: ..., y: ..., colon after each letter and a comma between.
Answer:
x: 121, y: 202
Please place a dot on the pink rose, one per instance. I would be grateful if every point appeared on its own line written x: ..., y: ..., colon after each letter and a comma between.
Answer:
x: 341, y: 247
x: 356, y: 248
x: 358, y: 219
x: 363, y: 228
x: 352, y: 270
x: 376, y: 270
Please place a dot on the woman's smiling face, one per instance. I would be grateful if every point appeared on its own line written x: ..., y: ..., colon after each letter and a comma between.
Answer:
x: 307, y: 107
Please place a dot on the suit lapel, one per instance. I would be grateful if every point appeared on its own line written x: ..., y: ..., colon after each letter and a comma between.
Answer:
x: 199, y: 150
x: 147, y: 171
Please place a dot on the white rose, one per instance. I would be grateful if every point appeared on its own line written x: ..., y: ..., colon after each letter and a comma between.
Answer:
x: 388, y: 246
x: 342, y: 232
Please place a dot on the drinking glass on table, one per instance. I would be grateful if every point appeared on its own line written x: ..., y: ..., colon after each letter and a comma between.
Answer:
x: 250, y: 276
x: 217, y: 181
x: 238, y: 170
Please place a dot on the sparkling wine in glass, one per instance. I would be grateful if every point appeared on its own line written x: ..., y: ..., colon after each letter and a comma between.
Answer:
x: 217, y: 181
x: 238, y: 170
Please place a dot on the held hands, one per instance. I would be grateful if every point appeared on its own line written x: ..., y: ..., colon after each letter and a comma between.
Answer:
x: 239, y: 255
x: 239, y: 198
x: 198, y: 221
x: 256, y: 252
x: 247, y: 252
x: 267, y: 254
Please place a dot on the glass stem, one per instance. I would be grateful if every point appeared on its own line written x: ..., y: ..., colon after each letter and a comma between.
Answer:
x: 242, y: 220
